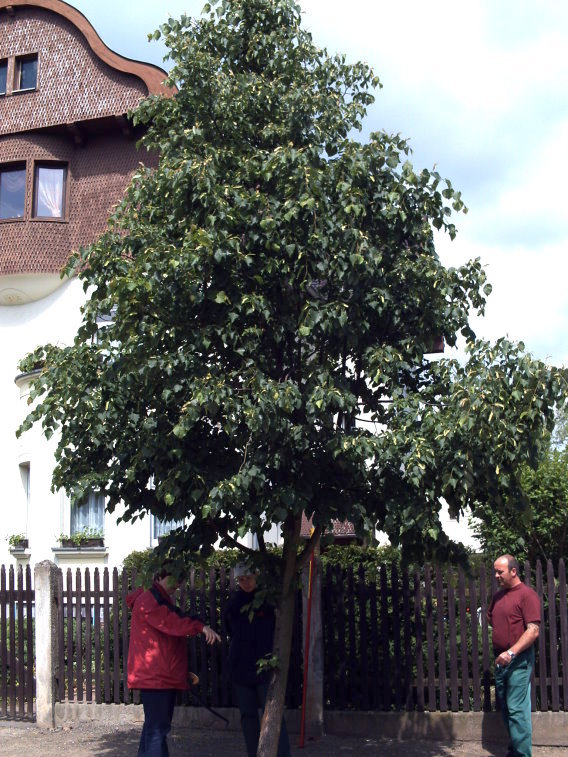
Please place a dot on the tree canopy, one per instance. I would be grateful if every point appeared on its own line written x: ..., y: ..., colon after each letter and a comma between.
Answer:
x: 275, y: 292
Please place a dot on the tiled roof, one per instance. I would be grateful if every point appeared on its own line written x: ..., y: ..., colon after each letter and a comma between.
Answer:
x: 341, y: 528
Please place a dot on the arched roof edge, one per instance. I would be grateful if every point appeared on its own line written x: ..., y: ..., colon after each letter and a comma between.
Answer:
x: 151, y: 75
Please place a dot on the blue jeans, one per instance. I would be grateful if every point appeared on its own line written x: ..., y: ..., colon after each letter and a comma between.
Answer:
x: 158, y: 712
x: 250, y: 699
x: 513, y: 686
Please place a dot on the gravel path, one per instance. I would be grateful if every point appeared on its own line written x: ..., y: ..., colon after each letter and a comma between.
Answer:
x: 88, y: 739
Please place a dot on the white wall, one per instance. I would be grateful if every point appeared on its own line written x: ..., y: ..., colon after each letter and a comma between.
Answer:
x: 54, y: 318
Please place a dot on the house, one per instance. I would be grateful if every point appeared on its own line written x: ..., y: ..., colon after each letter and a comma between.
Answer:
x: 67, y: 152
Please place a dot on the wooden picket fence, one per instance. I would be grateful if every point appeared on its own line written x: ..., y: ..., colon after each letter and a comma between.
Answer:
x: 396, y: 640
x: 419, y: 640
x: 17, y: 682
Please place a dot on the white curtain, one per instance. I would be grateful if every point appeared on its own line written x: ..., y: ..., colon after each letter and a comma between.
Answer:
x: 163, y: 527
x: 88, y: 514
x: 49, y: 192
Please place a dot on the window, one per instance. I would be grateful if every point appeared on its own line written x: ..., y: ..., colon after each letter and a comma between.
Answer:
x: 25, y: 476
x: 90, y: 513
x: 12, y: 190
x: 26, y: 72
x: 50, y: 181
x: 3, y: 76
x: 163, y: 527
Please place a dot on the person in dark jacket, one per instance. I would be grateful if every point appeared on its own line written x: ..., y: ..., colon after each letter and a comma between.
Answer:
x: 157, y: 657
x: 251, y: 640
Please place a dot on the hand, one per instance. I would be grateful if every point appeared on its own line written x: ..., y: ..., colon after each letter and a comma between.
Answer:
x: 192, y: 678
x: 503, y: 660
x: 210, y: 635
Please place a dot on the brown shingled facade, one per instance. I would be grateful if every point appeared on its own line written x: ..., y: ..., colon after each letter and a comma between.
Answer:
x: 97, y: 176
x: 73, y: 84
x: 75, y: 117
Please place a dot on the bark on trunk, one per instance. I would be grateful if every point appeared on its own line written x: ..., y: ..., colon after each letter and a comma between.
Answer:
x: 275, y: 699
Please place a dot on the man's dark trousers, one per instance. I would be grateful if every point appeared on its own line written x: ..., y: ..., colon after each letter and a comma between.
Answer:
x: 158, y: 712
x: 513, y: 685
x: 250, y: 699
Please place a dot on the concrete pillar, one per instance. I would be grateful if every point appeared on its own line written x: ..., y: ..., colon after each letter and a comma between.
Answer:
x: 45, y: 584
x: 314, y: 725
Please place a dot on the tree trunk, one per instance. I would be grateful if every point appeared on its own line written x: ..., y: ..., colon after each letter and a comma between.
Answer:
x: 275, y: 699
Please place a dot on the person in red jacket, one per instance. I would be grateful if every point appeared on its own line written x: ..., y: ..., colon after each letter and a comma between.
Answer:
x: 157, y: 657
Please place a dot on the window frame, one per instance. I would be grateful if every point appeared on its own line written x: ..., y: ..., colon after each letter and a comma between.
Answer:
x: 37, y: 166
x: 18, y: 61
x: 12, y: 166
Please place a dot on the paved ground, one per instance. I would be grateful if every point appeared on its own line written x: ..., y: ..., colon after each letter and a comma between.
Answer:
x: 86, y: 740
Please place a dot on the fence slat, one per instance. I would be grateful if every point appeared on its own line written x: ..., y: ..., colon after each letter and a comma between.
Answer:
x: 487, y: 658
x: 419, y: 643
x: 363, y: 643
x: 213, y: 651
x: 88, y: 639
x: 341, y: 623
x: 464, y: 633
x: 533, y: 674
x: 563, y: 613
x: 21, y: 667
x: 408, y: 645
x: 106, y: 636
x: 430, y: 640
x: 115, y: 638
x: 397, y: 642
x: 374, y: 682
x: 452, y: 634
x: 125, y: 628
x: 553, y: 637
x: 60, y: 673
x: 4, y: 643
x: 542, y: 672
x: 223, y: 596
x: 69, y: 641
x: 97, y: 633
x: 204, y: 672
x: 441, y: 632
x: 30, y: 644
x: 475, y: 661
x: 78, y: 613
x: 385, y: 638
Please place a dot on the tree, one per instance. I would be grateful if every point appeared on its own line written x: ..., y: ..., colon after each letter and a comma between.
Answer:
x: 538, y: 531
x: 559, y: 437
x: 272, y: 281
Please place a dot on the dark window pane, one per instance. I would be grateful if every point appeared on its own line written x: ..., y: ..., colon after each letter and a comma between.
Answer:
x: 12, y: 192
x: 3, y: 75
x: 49, y: 191
x: 27, y: 69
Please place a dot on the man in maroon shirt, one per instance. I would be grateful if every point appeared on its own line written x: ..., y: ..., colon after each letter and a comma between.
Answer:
x: 514, y: 614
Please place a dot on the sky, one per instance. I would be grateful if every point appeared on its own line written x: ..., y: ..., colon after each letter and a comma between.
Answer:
x: 480, y: 90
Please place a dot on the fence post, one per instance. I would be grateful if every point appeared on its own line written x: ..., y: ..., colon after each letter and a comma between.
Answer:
x: 45, y: 580
x: 314, y: 696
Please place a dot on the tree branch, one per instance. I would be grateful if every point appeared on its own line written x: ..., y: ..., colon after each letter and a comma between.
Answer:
x: 225, y: 533
x: 261, y: 542
x: 306, y: 553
